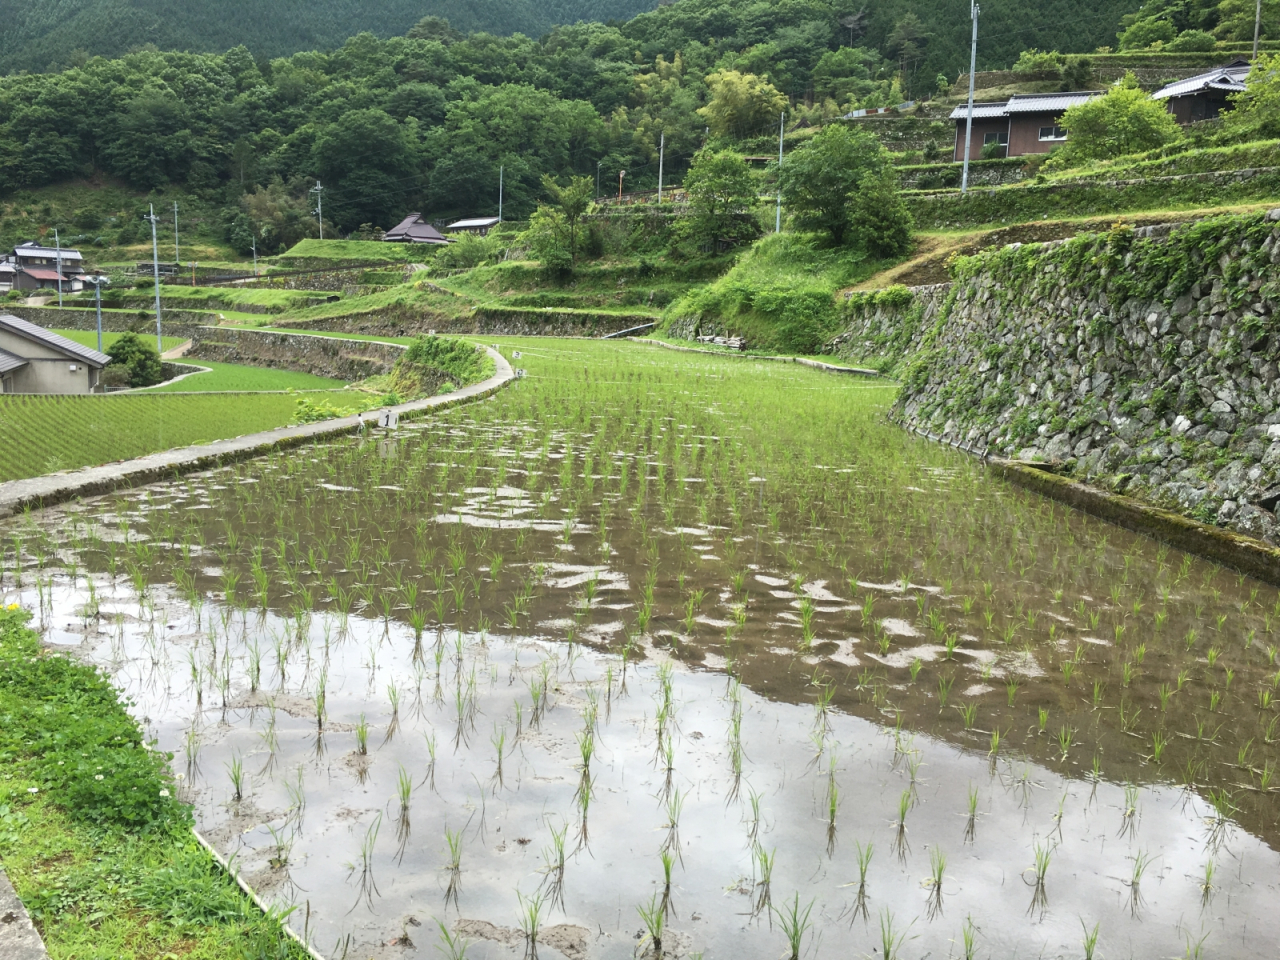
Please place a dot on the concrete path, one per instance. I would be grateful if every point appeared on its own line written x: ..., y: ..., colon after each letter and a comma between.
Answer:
x: 19, y: 939
x: 178, y: 352
x: 19, y: 495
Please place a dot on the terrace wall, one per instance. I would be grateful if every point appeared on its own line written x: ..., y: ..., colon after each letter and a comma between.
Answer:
x: 402, y: 321
x: 1147, y: 362
x: 322, y: 356
x: 174, y: 323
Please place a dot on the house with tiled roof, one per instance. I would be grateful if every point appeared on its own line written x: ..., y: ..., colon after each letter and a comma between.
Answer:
x: 1205, y: 96
x: 33, y: 360
x: 33, y: 266
x: 1025, y: 124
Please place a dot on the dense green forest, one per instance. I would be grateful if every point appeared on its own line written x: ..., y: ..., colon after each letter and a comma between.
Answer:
x: 41, y: 36
x: 425, y: 121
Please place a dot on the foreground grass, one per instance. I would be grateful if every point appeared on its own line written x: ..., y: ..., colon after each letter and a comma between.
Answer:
x: 91, y: 833
x: 43, y: 434
x: 232, y: 377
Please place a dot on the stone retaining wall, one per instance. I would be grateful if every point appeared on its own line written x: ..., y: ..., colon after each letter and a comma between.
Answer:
x: 489, y: 321
x: 176, y: 323
x: 323, y: 356
x: 1146, y: 362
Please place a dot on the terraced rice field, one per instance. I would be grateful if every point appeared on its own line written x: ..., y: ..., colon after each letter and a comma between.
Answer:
x: 657, y: 654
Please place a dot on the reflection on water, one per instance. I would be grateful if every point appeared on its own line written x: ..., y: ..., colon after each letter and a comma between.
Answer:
x: 564, y: 665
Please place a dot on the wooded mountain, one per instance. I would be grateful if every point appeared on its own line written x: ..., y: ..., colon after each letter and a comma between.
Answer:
x: 933, y: 35
x: 58, y: 33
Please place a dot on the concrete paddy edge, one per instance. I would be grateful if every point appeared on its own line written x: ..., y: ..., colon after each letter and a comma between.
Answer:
x: 18, y: 496
x: 1234, y: 550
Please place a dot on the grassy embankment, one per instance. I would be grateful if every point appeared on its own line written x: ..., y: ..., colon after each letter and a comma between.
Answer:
x: 780, y: 295
x: 92, y: 833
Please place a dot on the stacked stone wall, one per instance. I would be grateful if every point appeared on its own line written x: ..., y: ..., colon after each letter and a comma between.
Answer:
x: 1146, y: 361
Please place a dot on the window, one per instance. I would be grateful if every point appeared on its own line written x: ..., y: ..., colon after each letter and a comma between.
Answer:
x: 991, y: 138
x: 1053, y: 133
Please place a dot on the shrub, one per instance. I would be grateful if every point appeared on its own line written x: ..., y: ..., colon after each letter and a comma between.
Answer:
x: 1147, y: 33
x: 1257, y: 110
x: 1192, y: 41
x: 1037, y: 61
x: 136, y: 356
x: 1125, y: 120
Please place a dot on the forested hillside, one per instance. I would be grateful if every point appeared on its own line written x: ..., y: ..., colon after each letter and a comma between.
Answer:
x: 40, y: 35
x: 931, y: 36
x: 427, y: 120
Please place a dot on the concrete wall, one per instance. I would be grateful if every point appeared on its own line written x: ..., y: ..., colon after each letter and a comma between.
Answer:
x: 47, y: 370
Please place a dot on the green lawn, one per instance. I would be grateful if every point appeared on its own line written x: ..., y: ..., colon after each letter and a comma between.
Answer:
x: 41, y: 434
x: 230, y: 377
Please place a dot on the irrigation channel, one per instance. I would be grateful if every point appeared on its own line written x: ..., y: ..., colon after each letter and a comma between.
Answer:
x: 665, y: 652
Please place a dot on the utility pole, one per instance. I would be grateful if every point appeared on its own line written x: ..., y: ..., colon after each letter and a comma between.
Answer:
x: 176, y: 259
x: 97, y: 282
x: 782, y: 131
x: 254, y: 245
x: 502, y: 173
x: 318, y: 190
x: 155, y: 266
x: 621, y: 174
x: 974, y: 11
x: 662, y: 155
x: 58, y: 245
x: 1257, y: 29
x: 598, y: 164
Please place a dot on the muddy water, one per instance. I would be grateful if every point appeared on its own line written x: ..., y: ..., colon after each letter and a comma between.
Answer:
x: 817, y: 650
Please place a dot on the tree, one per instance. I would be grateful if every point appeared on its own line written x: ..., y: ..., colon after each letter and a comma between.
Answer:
x: 572, y: 203
x: 1257, y: 110
x: 138, y: 357
x: 1125, y: 120
x: 434, y: 28
x: 880, y: 221
x: 1146, y: 33
x: 720, y: 188
x: 821, y: 181
x: 742, y: 104
x: 845, y: 74
x: 906, y: 42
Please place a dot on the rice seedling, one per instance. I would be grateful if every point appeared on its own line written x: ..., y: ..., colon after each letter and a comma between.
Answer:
x: 235, y: 770
x: 891, y: 939
x: 453, y: 840
x: 971, y: 823
x: 1090, y: 942
x: 937, y: 871
x: 453, y: 946
x: 530, y: 920
x: 795, y: 923
x: 1066, y: 737
x: 944, y: 690
x: 655, y: 920
x: 763, y: 863
x: 1141, y: 861
x: 1039, y: 898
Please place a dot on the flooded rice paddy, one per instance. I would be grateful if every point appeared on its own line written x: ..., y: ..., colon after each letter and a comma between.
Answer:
x: 660, y: 654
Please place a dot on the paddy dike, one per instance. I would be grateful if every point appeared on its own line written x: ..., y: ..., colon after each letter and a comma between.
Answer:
x: 1141, y: 361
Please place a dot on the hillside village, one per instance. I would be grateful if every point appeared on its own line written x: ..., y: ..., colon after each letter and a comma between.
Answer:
x: 739, y: 422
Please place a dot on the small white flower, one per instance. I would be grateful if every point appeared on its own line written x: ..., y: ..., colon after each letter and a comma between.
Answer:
x: 33, y: 789
x: 180, y: 777
x: 164, y: 793
x: 97, y: 776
